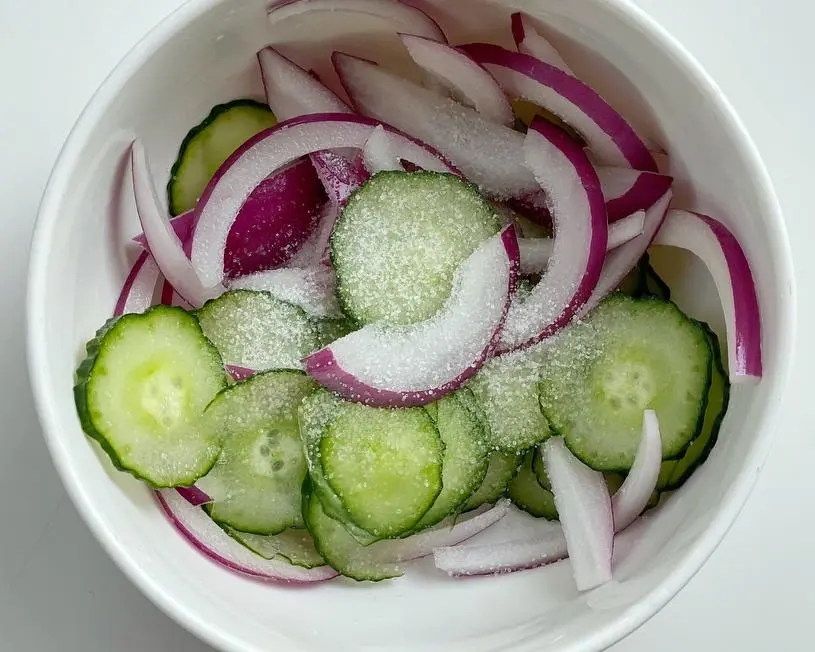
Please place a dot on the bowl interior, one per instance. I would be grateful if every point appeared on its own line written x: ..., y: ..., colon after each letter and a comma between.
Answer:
x: 205, y: 54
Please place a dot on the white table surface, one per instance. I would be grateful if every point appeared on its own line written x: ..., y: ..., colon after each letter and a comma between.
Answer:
x: 58, y: 589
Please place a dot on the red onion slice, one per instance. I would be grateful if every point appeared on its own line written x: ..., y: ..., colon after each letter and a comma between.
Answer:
x: 535, y: 252
x: 624, y: 258
x: 239, y: 373
x: 578, y: 212
x: 628, y: 191
x: 584, y: 508
x: 316, y: 251
x: 202, y: 532
x: 457, y: 73
x: 183, y: 226
x: 165, y: 246
x: 414, y: 365
x: 489, y: 154
x: 506, y: 557
x: 531, y: 42
x: 291, y: 91
x: 340, y: 175
x: 632, y: 497
x: 610, y: 138
x: 266, y: 153
x: 722, y: 254
x: 139, y: 286
x: 405, y: 18
x: 444, y: 534
x: 379, y: 155
x: 313, y: 289
x: 194, y: 496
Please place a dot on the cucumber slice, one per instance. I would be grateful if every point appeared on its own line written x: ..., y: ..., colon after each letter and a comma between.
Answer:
x: 330, y: 330
x: 507, y: 389
x: 255, y: 484
x: 255, y: 330
x: 627, y: 356
x: 314, y: 415
x: 141, y: 390
x: 528, y: 494
x: 209, y: 144
x: 643, y: 281
x: 399, y: 241
x: 294, y: 545
x: 717, y: 402
x: 501, y: 468
x: 465, y: 459
x: 384, y: 465
x: 341, y: 550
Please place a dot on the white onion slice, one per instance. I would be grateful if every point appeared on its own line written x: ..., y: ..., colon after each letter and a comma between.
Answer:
x: 489, y: 154
x: 531, y: 42
x: 719, y: 250
x: 202, y: 532
x: 316, y: 250
x: 291, y: 91
x: 413, y: 365
x: 313, y: 289
x: 535, y: 252
x: 403, y: 17
x: 584, y: 508
x: 463, y: 78
x: 340, y: 174
x: 610, y: 138
x: 632, y: 497
x: 579, y: 216
x: 166, y: 248
x: 267, y: 152
x: 379, y: 155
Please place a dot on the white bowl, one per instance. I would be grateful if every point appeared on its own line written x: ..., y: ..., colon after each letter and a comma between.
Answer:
x: 204, y: 54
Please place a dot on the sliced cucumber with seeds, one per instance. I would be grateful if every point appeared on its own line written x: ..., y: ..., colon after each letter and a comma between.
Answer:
x: 465, y: 458
x: 400, y: 240
x: 629, y: 355
x: 507, y: 389
x: 501, y: 468
x: 255, y: 330
x: 255, y: 484
x: 384, y: 465
x: 209, y: 144
x: 341, y: 550
x: 142, y: 389
x: 680, y: 470
x: 528, y: 494
x: 294, y: 545
x: 314, y: 415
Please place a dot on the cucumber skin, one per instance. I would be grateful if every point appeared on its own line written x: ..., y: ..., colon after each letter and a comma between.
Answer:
x: 196, y: 131
x: 518, y: 493
x: 674, y: 481
x: 84, y: 373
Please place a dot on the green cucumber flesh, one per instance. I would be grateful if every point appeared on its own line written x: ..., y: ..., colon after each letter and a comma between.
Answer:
x: 465, y: 459
x: 255, y: 484
x: 501, y: 468
x: 295, y: 545
x: 507, y: 389
x: 209, y: 144
x: 400, y: 240
x: 256, y: 330
x: 341, y: 550
x: 384, y: 465
x: 629, y: 355
x: 141, y: 392
x: 527, y: 493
